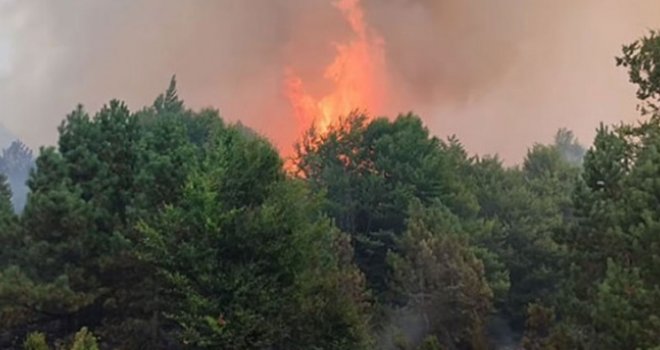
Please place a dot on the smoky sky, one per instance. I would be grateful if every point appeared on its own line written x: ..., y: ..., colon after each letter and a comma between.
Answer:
x: 499, y: 74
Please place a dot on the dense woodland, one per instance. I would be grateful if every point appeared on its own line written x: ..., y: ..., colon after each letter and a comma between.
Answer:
x: 168, y: 228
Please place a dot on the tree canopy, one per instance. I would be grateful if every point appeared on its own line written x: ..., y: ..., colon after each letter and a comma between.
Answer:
x: 170, y: 228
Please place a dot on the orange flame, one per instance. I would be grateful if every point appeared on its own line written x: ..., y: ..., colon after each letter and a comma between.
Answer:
x: 356, y: 72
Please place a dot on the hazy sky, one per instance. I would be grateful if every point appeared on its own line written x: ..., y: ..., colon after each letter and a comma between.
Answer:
x: 5, y: 54
x: 499, y: 74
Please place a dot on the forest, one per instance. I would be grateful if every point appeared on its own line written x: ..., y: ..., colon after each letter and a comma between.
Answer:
x: 170, y: 228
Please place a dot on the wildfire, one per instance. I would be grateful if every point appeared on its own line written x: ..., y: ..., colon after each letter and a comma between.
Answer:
x: 357, y: 75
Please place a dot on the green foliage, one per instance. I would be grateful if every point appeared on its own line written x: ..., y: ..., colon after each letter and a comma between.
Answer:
x: 169, y: 103
x: 84, y: 340
x: 430, y: 343
x: 612, y: 292
x: 441, y: 279
x: 610, y: 297
x: 526, y: 208
x: 627, y: 309
x: 35, y: 341
x: 75, y: 250
x: 641, y: 59
x: 400, y: 341
x: 497, y: 191
x: 370, y: 171
x: 538, y: 327
x: 245, y: 257
x: 5, y: 199
x: 8, y: 221
x: 544, y: 332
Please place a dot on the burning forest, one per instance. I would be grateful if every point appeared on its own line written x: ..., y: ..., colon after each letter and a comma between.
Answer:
x: 329, y: 174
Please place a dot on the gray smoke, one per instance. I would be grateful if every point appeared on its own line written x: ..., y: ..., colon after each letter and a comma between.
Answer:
x: 499, y: 74
x: 16, y: 162
x: 5, y: 137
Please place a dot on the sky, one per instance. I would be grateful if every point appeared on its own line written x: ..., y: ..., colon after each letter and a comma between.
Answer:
x: 500, y: 75
x: 5, y: 54
x: 5, y: 68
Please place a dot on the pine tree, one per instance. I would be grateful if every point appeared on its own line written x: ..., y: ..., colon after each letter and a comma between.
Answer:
x: 245, y: 258
x: 438, y: 277
x: 611, y: 299
x: 8, y: 225
x: 370, y: 171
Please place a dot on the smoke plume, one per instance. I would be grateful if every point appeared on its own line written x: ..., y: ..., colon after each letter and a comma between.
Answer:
x: 498, y: 74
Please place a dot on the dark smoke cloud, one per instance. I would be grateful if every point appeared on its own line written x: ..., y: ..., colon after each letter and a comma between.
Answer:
x: 499, y: 74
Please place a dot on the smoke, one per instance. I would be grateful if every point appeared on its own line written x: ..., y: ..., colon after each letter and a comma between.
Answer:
x: 16, y: 162
x: 5, y: 137
x: 499, y: 74
x: 404, y: 329
x: 505, y: 74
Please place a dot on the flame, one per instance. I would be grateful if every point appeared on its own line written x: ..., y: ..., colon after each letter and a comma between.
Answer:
x: 357, y: 74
